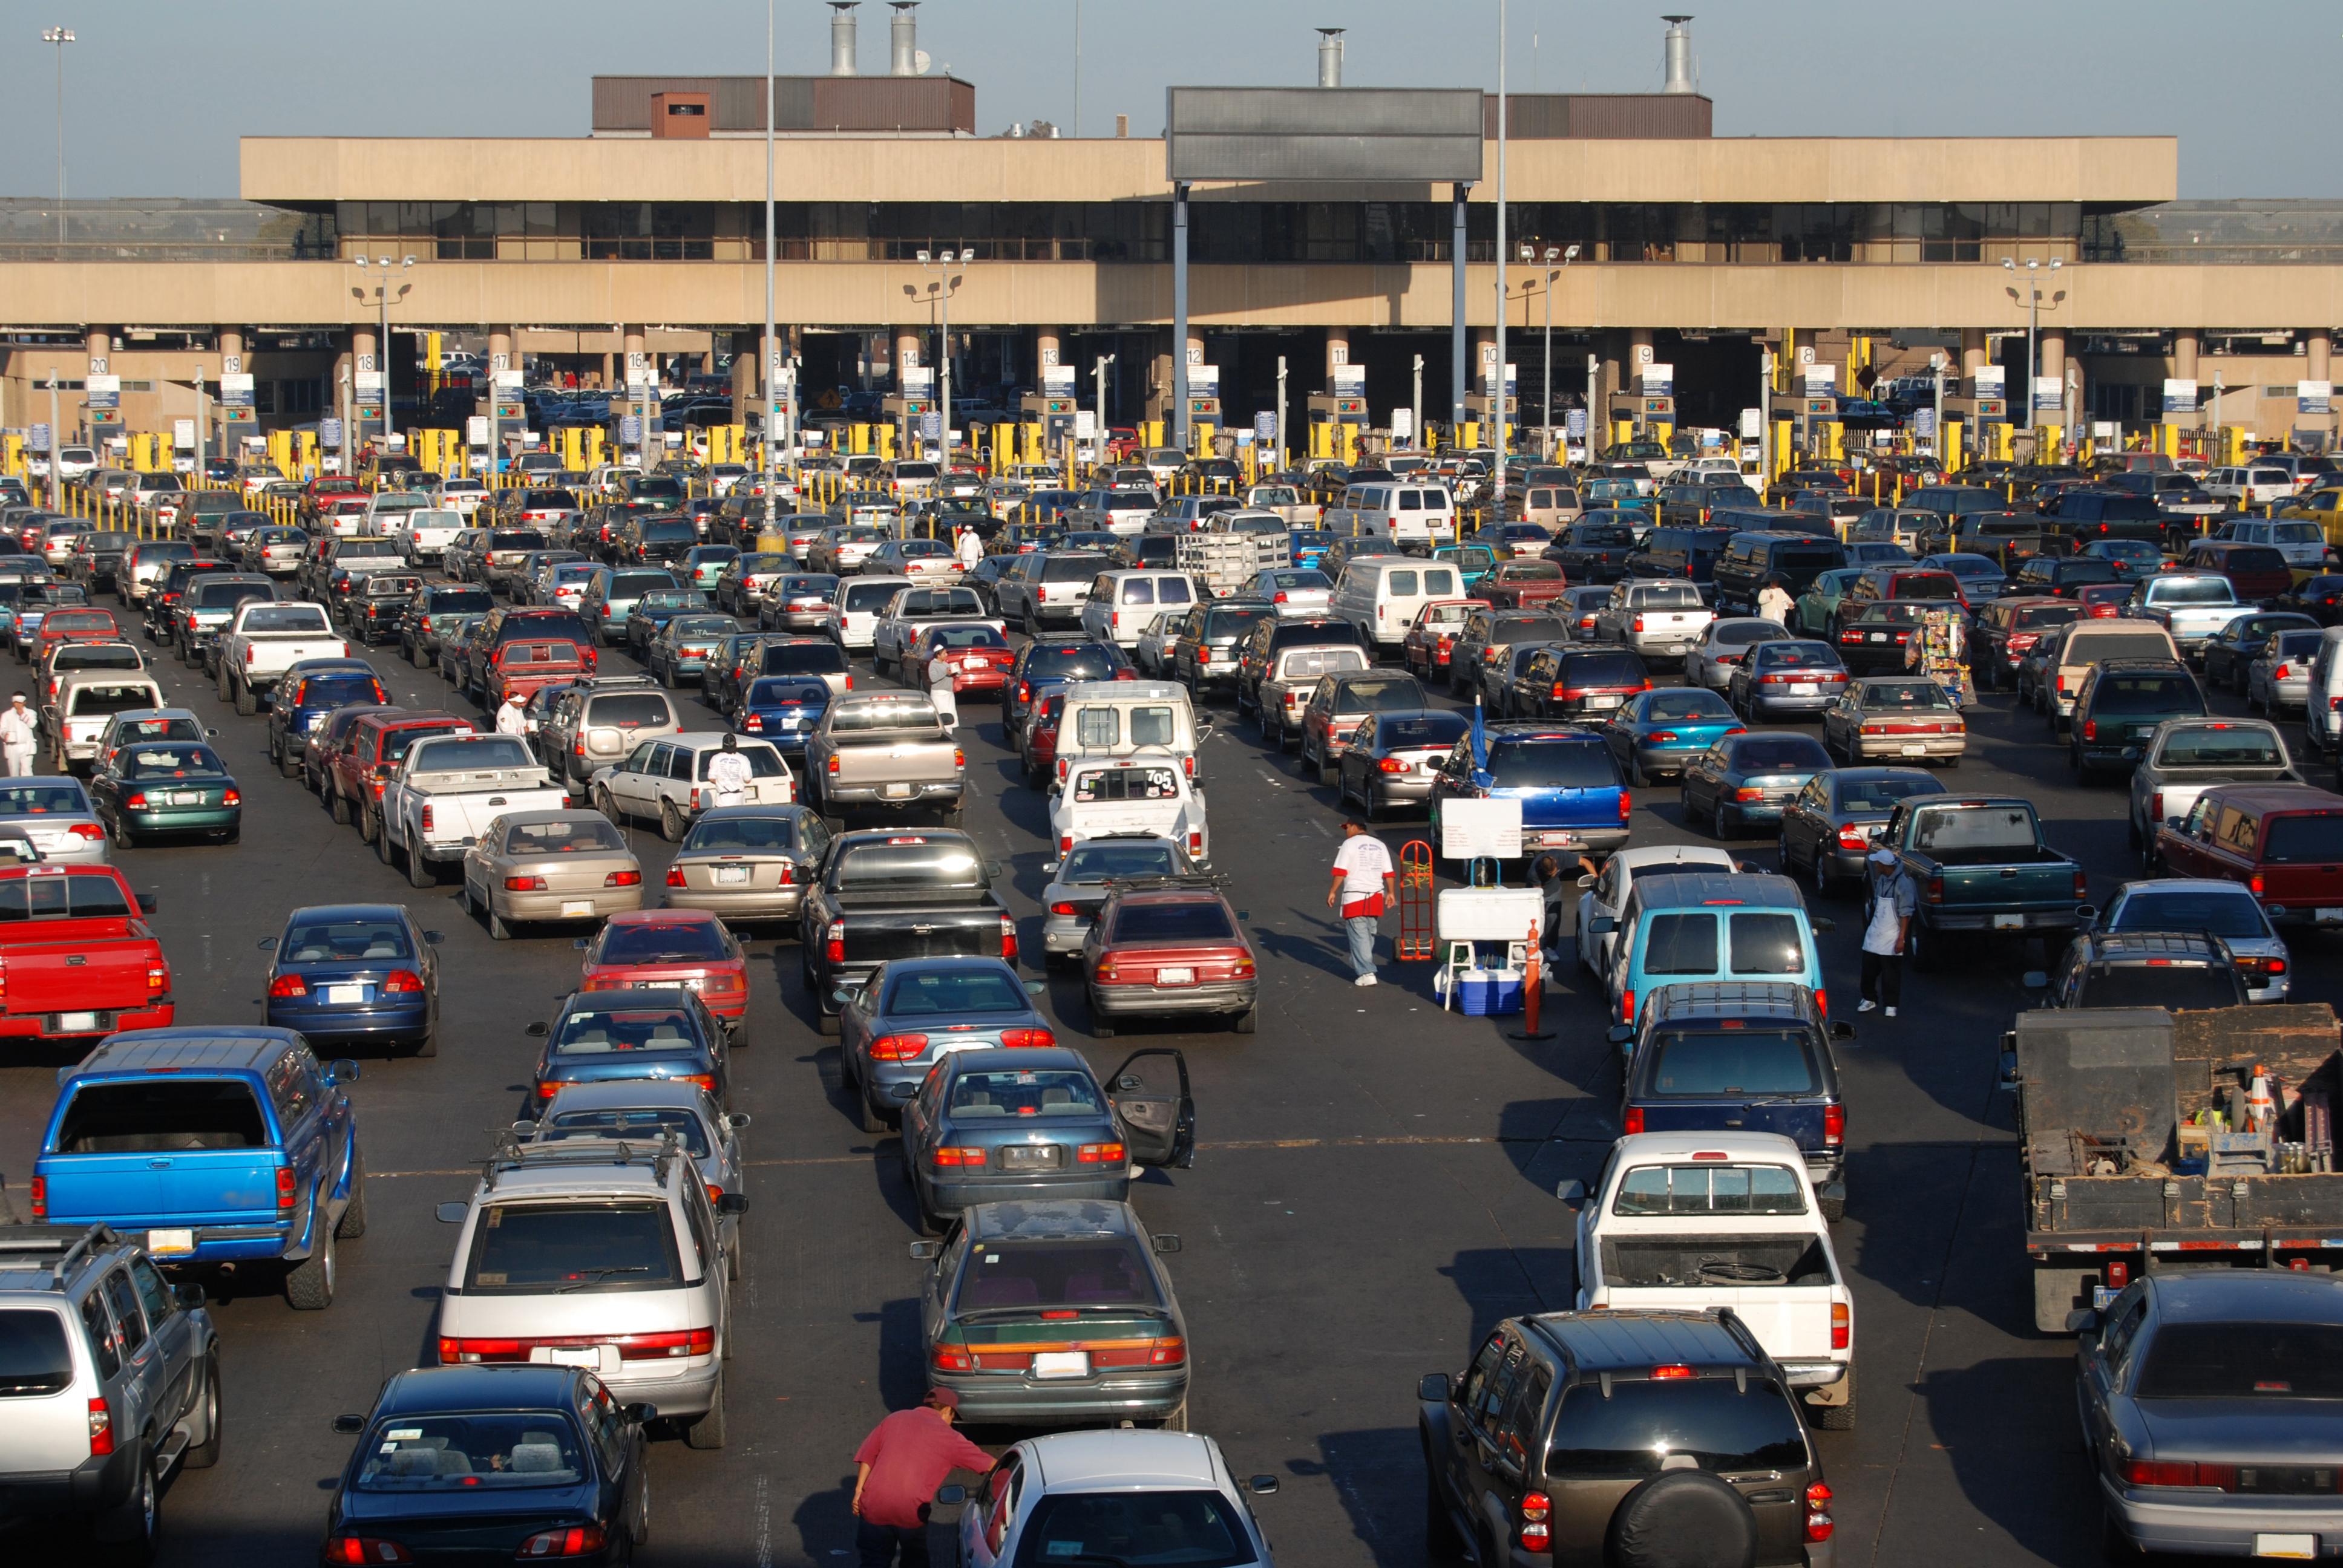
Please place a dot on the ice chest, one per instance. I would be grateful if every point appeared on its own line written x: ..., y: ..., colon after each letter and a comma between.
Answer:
x: 1485, y: 993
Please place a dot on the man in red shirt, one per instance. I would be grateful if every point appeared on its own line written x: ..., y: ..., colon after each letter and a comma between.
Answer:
x: 896, y: 1472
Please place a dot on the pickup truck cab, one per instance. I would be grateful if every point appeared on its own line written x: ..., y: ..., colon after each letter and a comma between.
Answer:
x: 1741, y: 1057
x: 911, y: 611
x: 266, y: 639
x: 1146, y: 792
x: 223, y: 1144
x: 1521, y: 584
x: 1695, y: 1221
x: 2192, y: 605
x: 2283, y: 841
x: 1657, y: 620
x: 888, y: 894
x: 77, y: 958
x: 1981, y: 867
x: 2182, y: 758
x: 447, y: 788
x: 885, y: 750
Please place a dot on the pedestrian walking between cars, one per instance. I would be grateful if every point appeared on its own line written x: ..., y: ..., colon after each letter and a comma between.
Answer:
x: 896, y: 1472
x: 1364, y: 881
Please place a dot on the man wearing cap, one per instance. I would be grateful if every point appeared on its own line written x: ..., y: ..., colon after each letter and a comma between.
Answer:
x: 1890, y: 899
x: 728, y: 772
x: 20, y: 733
x: 896, y: 1472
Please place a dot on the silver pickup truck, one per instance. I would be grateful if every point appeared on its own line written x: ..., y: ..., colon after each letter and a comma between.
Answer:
x: 1657, y: 620
x: 447, y: 789
x: 889, y: 751
x: 2186, y: 756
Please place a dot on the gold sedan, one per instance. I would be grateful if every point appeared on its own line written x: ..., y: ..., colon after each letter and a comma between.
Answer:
x: 546, y: 865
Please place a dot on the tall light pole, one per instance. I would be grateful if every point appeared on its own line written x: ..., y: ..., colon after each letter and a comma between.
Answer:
x: 382, y: 342
x: 767, y: 349
x: 60, y: 36
x: 942, y: 268
x: 2033, y: 321
x: 1550, y: 255
x: 1098, y: 375
x: 1497, y: 392
x: 56, y: 438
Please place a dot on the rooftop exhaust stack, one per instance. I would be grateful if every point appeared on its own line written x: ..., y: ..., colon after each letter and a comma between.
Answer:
x: 1330, y: 56
x: 1678, y: 52
x: 841, y: 37
x: 903, y: 39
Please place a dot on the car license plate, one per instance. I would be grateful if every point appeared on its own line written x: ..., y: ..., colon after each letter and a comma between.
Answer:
x: 186, y: 797
x: 792, y: 721
x: 1876, y: 636
x: 1915, y: 749
x: 2328, y: 917
x: 344, y: 995
x: 577, y: 909
x: 2265, y: 1545
x: 732, y: 876
x: 1061, y: 1363
x: 574, y: 1355
x: 170, y: 1243
x: 1029, y: 1157
x: 1602, y: 702
x: 1802, y: 688
x: 2102, y: 1296
x: 895, y: 791
x: 76, y: 1022
x: 2009, y: 922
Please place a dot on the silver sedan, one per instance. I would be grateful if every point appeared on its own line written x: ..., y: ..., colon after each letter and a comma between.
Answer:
x: 2279, y: 676
x: 1294, y: 590
x: 2219, y: 908
x: 746, y: 863
x: 56, y: 816
x: 1722, y: 645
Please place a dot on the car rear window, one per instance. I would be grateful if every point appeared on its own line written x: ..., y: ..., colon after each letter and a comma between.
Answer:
x: 1221, y: 625
x: 334, y: 691
x: 519, y: 1248
x: 2040, y: 617
x: 23, y: 800
x: 77, y: 895
x: 1613, y: 668
x: 1681, y: 944
x: 1192, y: 921
x: 573, y: 835
x: 934, y: 993
x: 455, y: 600
x: 2146, y: 694
x: 1708, y: 1188
x: 1706, y: 1062
x: 1023, y: 1093
x: 1103, y: 1271
x: 629, y: 710
x: 1798, y: 655
x: 1781, y: 753
x: 1628, y: 1429
x: 633, y: 585
x: 1552, y: 764
x: 2244, y: 1360
x: 1670, y: 595
x: 157, y: 1116
x: 2220, y: 745
x: 909, y: 860
x: 819, y: 657
x: 505, y: 1451
x: 662, y: 941
x: 33, y: 1356
x: 521, y: 539
x: 2304, y: 839
x: 89, y: 699
x: 1070, y: 569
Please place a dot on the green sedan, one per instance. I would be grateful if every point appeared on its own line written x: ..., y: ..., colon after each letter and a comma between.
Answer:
x: 166, y: 788
x: 1812, y: 614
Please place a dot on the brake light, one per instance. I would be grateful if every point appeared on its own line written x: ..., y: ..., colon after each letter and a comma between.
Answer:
x: 833, y: 762
x: 365, y: 1549
x: 288, y: 985
x: 1101, y: 1155
x: 1626, y: 1007
x: 898, y: 1047
x: 89, y: 831
x: 402, y: 982
x: 957, y: 1159
x: 1626, y: 805
x: 1936, y: 893
x: 524, y: 884
x: 2118, y: 1276
x: 2082, y: 885
x: 2177, y: 1473
x: 1008, y: 941
x: 834, y: 943
x: 1842, y: 1325
x: 674, y: 877
x: 2254, y: 884
x: 1672, y: 1374
x: 1852, y: 838
x: 1747, y: 792
x: 1537, y: 1521
x: 623, y: 880
x: 427, y: 824
x: 1834, y: 1124
x: 1631, y: 1120
x: 1819, y: 1523
x: 284, y: 1187
x: 1027, y: 1039
x: 2090, y: 729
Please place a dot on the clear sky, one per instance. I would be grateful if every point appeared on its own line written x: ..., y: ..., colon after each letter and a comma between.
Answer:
x: 157, y: 91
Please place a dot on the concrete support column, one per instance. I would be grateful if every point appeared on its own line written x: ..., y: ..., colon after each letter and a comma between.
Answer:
x: 366, y: 354
x: 231, y: 347
x: 2184, y: 355
x: 708, y: 357
x: 1639, y: 351
x: 99, y: 343
x: 2054, y: 353
x: 1159, y: 375
x: 631, y: 348
x: 744, y: 373
x: 1049, y: 350
x: 1338, y: 352
x: 1976, y: 352
x: 907, y: 353
x: 2318, y: 355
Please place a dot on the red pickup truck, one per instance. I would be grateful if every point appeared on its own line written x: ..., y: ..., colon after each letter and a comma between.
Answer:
x: 76, y: 961
x: 368, y: 753
x: 521, y: 670
x: 2283, y: 841
x: 1522, y: 584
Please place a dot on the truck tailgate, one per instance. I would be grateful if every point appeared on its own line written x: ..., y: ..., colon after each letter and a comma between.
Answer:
x: 878, y: 762
x: 103, y: 971
x: 922, y: 934
x: 180, y: 1187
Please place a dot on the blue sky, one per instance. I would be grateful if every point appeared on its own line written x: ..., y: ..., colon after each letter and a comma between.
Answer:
x: 157, y: 93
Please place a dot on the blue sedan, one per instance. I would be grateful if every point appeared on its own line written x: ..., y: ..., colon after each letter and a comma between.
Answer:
x: 1749, y: 779
x: 783, y: 710
x: 351, y: 972
x: 912, y: 1012
x: 1655, y: 734
x: 650, y: 1032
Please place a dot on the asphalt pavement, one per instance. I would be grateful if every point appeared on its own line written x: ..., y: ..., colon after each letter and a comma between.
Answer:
x: 1372, y: 1189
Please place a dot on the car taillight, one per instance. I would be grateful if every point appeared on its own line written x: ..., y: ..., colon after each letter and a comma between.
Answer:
x: 2177, y: 1473
x: 248, y: 651
x: 1631, y: 1120
x: 623, y: 880
x: 2254, y: 884
x: 674, y: 877
x: 427, y: 823
x: 524, y: 884
x: 953, y: 1358
x: 1027, y: 1039
x: 101, y: 1428
x: 284, y: 1187
x: 1842, y: 1325
x: 1818, y: 1519
x: 1008, y: 941
x: 957, y: 1159
x: 288, y: 985
x: 365, y: 1549
x: 834, y: 943
x: 402, y: 982
x: 1626, y: 1007
x: 1537, y: 1521
x: 2090, y: 729
x: 898, y: 1047
x: 1935, y: 891
x: 1101, y: 1155
x: 1834, y: 1124
x: 1748, y: 792
x: 2082, y: 884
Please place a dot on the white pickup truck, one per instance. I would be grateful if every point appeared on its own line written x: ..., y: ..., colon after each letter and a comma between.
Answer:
x: 425, y: 533
x: 1689, y: 1221
x: 1657, y: 620
x: 2191, y: 606
x: 447, y: 788
x: 265, y: 641
x: 1146, y: 792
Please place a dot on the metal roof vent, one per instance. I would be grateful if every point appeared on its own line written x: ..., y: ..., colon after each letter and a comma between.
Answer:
x: 1330, y: 56
x: 1677, y: 50
x: 903, y: 59
x: 841, y: 36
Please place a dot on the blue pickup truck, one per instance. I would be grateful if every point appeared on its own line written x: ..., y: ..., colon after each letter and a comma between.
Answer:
x: 1741, y: 1057
x: 221, y: 1145
x: 1572, y: 797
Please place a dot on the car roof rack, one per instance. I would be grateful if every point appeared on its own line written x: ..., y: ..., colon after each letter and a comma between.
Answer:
x: 1188, y: 881
x: 512, y: 1154
x: 63, y: 1248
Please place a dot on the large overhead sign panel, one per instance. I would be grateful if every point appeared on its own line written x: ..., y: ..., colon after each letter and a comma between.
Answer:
x: 1365, y: 133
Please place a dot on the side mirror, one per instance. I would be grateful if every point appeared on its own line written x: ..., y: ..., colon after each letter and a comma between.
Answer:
x: 146, y: 903
x: 452, y: 1214
x: 1165, y: 1241
x: 1842, y: 1030
x: 903, y: 1091
x: 1036, y: 987
x: 1262, y: 1485
x: 732, y: 1203
x: 946, y: 1495
x: 349, y: 1425
x: 927, y: 1251
x: 2083, y: 1320
x: 1432, y: 1388
x: 993, y: 868
x: 537, y: 1031
x: 266, y: 944
x: 582, y: 943
x: 1601, y: 925
x: 1823, y: 923
x: 2035, y: 980
x: 737, y: 1121
x: 641, y: 1414
x: 524, y: 1128
x: 1585, y: 882
x: 2086, y: 911
x: 1620, y: 1034
x: 190, y: 1296
x: 211, y: 735
x: 433, y: 939
x: 342, y: 1070
x: 1572, y: 1193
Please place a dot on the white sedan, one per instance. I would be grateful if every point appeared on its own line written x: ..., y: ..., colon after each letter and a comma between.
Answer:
x: 1294, y: 590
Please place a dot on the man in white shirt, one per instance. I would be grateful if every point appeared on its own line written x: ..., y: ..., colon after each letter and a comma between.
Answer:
x: 511, y: 717
x: 1363, y: 882
x: 20, y: 735
x: 728, y: 772
x: 968, y: 548
x: 1774, y: 603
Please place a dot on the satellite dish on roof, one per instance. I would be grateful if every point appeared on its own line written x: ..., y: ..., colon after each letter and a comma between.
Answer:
x: 920, y: 60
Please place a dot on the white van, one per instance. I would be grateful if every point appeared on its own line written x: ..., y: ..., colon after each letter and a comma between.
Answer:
x: 1381, y: 594
x: 1403, y: 514
x: 1122, y: 603
x: 1121, y: 718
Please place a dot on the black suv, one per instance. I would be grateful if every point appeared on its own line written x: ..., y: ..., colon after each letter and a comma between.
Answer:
x: 1754, y: 559
x: 1257, y: 655
x: 1679, y: 553
x: 1205, y: 654
x: 1601, y: 1436
x: 2168, y: 969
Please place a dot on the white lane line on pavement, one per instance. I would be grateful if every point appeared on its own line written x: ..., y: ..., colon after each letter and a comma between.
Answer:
x: 764, y: 1516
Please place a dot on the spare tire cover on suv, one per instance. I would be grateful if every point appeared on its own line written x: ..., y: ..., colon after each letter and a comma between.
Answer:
x: 1682, y: 1519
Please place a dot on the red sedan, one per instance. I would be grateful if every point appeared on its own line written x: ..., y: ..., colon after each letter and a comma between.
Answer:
x: 1042, y: 738
x: 687, y: 947
x: 977, y: 657
x: 2102, y: 601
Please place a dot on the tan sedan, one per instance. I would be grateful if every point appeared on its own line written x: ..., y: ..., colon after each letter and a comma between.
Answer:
x: 1896, y: 719
x: 546, y: 865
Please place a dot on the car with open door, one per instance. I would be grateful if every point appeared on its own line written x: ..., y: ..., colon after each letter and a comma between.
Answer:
x: 990, y: 1126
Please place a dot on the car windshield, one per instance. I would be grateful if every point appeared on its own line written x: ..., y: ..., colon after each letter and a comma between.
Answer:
x: 1714, y: 1060
x: 1129, y: 1529
x: 1551, y: 764
x: 1098, y: 861
x: 1024, y: 1091
x: 1175, y: 921
x: 651, y: 1122
x: 1625, y: 1430
x: 2145, y: 694
x: 502, y: 1451
x: 333, y: 940
x: 934, y: 992
x: 2219, y: 745
x: 1780, y: 754
x: 581, y: 834
x: 662, y: 942
x: 566, y: 1248
x: 2243, y: 1361
x: 168, y: 762
x: 1710, y: 1187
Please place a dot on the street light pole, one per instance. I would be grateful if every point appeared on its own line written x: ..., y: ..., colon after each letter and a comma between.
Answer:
x: 1281, y: 412
x: 943, y: 357
x: 382, y: 339
x: 1497, y: 393
x: 766, y: 351
x: 56, y: 479
x: 1098, y: 376
x: 60, y: 36
x: 2033, y: 322
x: 1415, y: 409
x: 1531, y: 253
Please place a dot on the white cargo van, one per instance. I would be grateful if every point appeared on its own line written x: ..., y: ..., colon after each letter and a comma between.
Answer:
x: 1122, y: 603
x: 1404, y: 514
x: 1381, y: 594
x: 1121, y: 718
